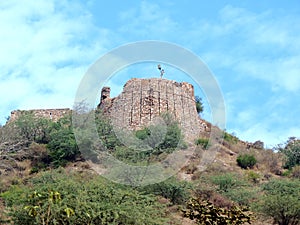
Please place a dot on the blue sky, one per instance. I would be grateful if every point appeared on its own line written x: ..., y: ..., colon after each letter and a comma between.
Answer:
x: 251, y: 47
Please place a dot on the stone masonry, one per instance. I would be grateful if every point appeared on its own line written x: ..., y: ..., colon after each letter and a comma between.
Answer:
x: 142, y: 100
x: 53, y: 114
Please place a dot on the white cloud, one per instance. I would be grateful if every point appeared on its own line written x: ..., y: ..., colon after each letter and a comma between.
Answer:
x: 148, y: 21
x: 46, y: 47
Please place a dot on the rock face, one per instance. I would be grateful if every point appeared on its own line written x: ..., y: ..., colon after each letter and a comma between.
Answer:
x: 142, y: 101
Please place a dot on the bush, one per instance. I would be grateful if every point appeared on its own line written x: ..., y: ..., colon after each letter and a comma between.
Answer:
x: 246, y: 161
x: 230, y: 138
x: 281, y: 201
x: 225, y: 182
x: 204, y: 212
x: 176, y: 191
x: 204, y: 142
x: 59, y: 198
x: 62, y: 147
x: 291, y: 150
x: 253, y: 177
x: 296, y: 172
x: 34, y: 128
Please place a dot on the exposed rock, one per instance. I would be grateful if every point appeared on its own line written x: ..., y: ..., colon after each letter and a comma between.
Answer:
x: 258, y: 145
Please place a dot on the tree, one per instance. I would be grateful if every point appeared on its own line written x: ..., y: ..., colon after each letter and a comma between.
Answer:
x: 199, y: 104
x: 33, y: 128
x: 291, y: 150
x: 62, y: 145
x: 282, y: 201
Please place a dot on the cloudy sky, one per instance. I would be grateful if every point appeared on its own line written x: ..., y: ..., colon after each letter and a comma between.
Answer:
x: 251, y: 47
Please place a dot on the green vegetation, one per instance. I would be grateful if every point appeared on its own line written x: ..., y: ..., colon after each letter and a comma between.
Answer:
x: 204, y: 142
x: 204, y: 212
x: 59, y: 198
x: 282, y: 201
x: 291, y: 150
x: 230, y: 138
x: 199, y: 104
x: 246, y: 161
x: 176, y: 191
x: 44, y: 179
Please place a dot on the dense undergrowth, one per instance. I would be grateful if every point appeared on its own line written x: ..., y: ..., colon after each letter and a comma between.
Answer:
x: 37, y: 185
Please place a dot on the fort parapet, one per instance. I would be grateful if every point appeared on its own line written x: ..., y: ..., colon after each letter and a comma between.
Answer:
x: 53, y: 114
x: 142, y: 100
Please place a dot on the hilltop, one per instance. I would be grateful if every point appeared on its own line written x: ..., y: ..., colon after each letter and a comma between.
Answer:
x: 41, y: 161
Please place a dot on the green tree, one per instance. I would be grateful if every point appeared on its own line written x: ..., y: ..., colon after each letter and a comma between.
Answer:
x: 199, y: 104
x: 33, y: 128
x: 62, y: 145
x: 291, y: 150
x: 282, y: 201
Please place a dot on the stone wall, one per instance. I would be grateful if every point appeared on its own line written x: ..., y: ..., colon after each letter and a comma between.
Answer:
x: 143, y: 100
x: 53, y: 114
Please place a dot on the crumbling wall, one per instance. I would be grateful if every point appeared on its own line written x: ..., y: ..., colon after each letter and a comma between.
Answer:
x: 142, y: 100
x: 53, y: 114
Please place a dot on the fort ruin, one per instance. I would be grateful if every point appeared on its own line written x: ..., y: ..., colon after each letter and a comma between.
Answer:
x: 143, y: 100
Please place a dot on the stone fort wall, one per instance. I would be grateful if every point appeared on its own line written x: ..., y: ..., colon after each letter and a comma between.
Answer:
x: 142, y: 100
x: 53, y: 114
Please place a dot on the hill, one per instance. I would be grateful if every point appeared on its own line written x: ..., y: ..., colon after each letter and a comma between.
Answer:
x: 48, y: 178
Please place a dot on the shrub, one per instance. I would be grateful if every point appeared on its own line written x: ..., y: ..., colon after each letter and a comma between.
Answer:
x: 176, y: 191
x: 33, y: 128
x: 296, y: 172
x: 230, y: 138
x: 281, y: 201
x: 225, y: 182
x: 59, y: 198
x: 204, y: 212
x: 246, y: 161
x: 254, y: 177
x: 291, y: 150
x: 204, y: 142
x: 62, y: 146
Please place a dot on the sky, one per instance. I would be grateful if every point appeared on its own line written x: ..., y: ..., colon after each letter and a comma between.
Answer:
x: 251, y: 47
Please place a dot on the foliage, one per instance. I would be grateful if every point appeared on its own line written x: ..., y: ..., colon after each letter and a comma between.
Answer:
x: 33, y: 128
x: 230, y: 138
x: 291, y: 150
x: 253, y: 176
x: 225, y: 182
x: 204, y: 142
x: 199, y: 104
x: 246, y: 161
x: 143, y: 134
x: 59, y: 198
x: 176, y: 191
x: 106, y: 132
x: 173, y: 137
x: 204, y: 212
x: 296, y: 172
x: 282, y: 201
x: 155, y: 146
x: 39, y: 156
x: 62, y: 145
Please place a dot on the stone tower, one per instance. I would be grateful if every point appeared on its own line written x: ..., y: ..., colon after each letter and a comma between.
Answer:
x: 142, y: 100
